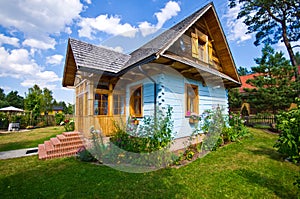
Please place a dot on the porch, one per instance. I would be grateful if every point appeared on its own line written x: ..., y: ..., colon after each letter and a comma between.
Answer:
x: 104, y: 123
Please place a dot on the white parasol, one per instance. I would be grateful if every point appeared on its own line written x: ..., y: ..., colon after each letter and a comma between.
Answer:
x: 11, y: 109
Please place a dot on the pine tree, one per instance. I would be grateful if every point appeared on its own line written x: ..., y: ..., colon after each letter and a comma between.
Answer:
x: 275, y: 85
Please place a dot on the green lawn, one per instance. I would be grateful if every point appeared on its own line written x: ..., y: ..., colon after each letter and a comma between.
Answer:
x: 21, y: 140
x: 250, y: 169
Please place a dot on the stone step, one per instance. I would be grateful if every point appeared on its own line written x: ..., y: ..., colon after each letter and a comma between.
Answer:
x: 63, y: 145
x: 62, y: 138
x: 70, y: 134
x: 60, y: 155
x: 42, y: 151
x: 48, y: 146
x: 55, y: 141
x: 63, y: 149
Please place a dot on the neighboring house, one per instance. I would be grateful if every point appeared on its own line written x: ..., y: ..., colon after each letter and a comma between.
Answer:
x: 246, y: 85
x: 55, y: 109
x: 188, y: 67
x: 244, y: 79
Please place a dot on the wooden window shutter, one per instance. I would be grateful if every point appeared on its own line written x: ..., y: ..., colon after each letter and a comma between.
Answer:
x: 210, y: 50
x: 195, y: 45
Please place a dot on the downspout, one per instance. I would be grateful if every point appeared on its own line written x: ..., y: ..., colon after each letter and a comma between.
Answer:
x: 155, y: 94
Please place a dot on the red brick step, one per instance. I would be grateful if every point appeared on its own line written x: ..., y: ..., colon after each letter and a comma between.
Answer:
x: 63, y: 145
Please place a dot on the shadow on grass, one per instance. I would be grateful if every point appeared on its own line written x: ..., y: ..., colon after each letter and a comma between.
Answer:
x: 72, y: 179
x: 23, y: 144
x: 265, y: 151
x: 270, y: 183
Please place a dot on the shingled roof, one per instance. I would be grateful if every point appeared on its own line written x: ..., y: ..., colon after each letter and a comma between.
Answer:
x: 86, y: 56
x: 97, y: 57
x: 160, y: 43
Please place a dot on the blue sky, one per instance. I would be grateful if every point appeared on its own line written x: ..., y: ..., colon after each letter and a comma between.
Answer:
x: 34, y: 34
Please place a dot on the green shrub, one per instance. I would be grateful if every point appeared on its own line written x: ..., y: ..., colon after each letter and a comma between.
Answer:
x: 84, y: 155
x: 289, y: 138
x: 59, y: 117
x: 152, y: 135
x: 3, y: 121
x: 221, y: 129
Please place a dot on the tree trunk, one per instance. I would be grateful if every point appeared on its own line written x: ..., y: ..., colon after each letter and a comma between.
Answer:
x: 290, y: 52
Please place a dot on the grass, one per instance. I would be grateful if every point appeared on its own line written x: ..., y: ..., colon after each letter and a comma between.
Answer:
x: 249, y: 169
x: 28, y: 139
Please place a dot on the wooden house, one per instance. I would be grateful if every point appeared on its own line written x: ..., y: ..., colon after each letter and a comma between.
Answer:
x: 54, y: 110
x: 188, y: 67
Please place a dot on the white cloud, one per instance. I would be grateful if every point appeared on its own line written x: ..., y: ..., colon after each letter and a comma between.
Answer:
x: 9, y: 40
x: 103, y: 23
x: 170, y: 10
x: 18, y: 64
x: 54, y: 59
x: 237, y: 29
x: 47, y: 43
x: 37, y: 20
x: 112, y: 24
x: 88, y: 1
x: 147, y: 28
x: 68, y: 30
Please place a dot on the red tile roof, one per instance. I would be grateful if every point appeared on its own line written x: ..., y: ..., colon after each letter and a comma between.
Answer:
x: 244, y: 78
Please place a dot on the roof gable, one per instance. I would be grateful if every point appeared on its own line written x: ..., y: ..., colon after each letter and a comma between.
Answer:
x: 93, y: 58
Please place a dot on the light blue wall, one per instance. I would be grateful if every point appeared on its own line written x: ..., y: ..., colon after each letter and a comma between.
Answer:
x: 212, y: 95
x: 170, y: 91
x: 148, y: 95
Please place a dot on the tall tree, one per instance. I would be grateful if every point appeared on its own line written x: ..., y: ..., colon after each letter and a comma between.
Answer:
x: 70, y: 109
x: 297, y: 55
x: 275, y: 86
x: 234, y: 98
x: 13, y: 99
x: 3, y: 102
x: 33, y: 101
x: 272, y: 21
x: 243, y: 71
x: 47, y: 101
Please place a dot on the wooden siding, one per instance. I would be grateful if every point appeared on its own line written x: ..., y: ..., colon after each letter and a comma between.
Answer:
x: 106, y: 123
x: 148, y: 95
x: 209, y: 97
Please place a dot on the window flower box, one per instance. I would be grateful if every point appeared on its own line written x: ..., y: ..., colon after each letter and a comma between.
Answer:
x: 194, y: 118
x: 193, y: 121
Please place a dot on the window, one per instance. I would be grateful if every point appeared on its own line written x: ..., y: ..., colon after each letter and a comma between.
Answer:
x: 101, y: 104
x: 118, y: 105
x: 192, y: 99
x: 199, y: 45
x: 136, y: 101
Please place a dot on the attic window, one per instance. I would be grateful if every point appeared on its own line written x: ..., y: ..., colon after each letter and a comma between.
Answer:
x: 199, y: 45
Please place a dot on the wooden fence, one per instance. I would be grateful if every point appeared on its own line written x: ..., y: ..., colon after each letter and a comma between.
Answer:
x: 260, y: 120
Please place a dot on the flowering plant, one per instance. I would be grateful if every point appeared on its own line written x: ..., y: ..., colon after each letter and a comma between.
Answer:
x: 68, y: 124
